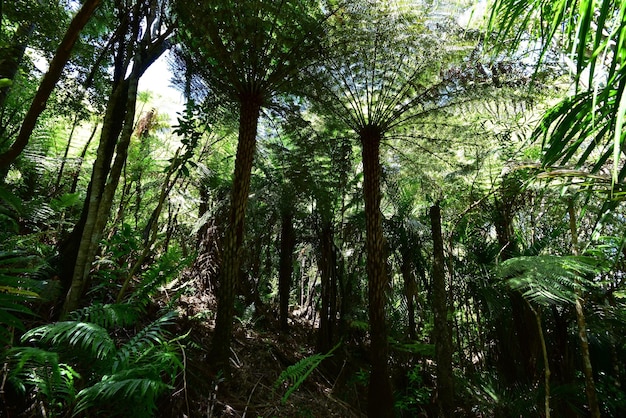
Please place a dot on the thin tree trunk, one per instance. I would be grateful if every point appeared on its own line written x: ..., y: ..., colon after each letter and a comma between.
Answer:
x: 151, y: 231
x: 380, y: 397
x: 590, y: 386
x: 410, y: 292
x: 546, y: 362
x: 57, y: 185
x: 327, y: 268
x: 81, y: 158
x: 250, y: 110
x: 285, y: 271
x: 442, y: 331
x: 13, y: 55
x: 48, y: 82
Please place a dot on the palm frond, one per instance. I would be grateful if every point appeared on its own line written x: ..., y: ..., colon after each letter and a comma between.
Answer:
x: 593, y: 34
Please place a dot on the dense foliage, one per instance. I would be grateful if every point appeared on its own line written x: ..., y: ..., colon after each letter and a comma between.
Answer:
x: 392, y: 208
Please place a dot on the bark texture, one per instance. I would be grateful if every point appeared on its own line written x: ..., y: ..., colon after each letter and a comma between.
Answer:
x: 250, y: 110
x: 285, y: 269
x: 135, y: 56
x: 328, y: 279
x: 380, y: 398
x: 442, y: 330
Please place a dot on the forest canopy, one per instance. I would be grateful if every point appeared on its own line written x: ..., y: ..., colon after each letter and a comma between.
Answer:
x: 391, y: 208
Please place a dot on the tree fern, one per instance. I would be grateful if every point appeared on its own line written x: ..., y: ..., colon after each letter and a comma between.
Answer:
x: 297, y: 373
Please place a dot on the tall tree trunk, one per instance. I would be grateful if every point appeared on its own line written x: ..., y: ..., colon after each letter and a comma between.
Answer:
x: 380, y: 398
x: 442, y: 330
x: 48, y: 82
x: 590, y: 386
x: 250, y: 110
x: 546, y: 361
x: 519, y: 346
x: 285, y: 271
x: 81, y: 247
x: 104, y: 184
x: 327, y: 267
x: 71, y: 248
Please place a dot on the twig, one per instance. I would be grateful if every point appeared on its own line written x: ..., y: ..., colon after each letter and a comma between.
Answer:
x: 245, y: 410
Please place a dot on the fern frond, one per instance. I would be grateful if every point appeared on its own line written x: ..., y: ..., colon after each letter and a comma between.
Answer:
x: 108, y: 316
x: 130, y: 392
x: 161, y: 272
x: 550, y: 279
x: 34, y: 367
x: 164, y: 357
x: 87, y: 337
x: 153, y: 334
x: 296, y: 374
x: 10, y: 210
x: 16, y: 290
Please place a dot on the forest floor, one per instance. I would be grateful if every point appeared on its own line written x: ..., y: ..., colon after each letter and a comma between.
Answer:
x: 259, y: 354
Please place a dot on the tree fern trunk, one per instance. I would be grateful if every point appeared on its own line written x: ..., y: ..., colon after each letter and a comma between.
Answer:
x: 250, y: 110
x: 285, y: 271
x: 327, y: 268
x: 380, y: 398
x: 442, y: 331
